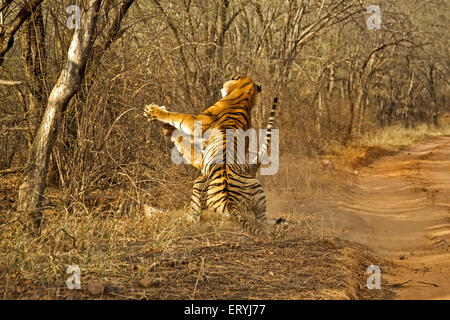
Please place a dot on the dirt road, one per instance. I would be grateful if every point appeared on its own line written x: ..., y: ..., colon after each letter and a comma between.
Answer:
x: 399, y: 207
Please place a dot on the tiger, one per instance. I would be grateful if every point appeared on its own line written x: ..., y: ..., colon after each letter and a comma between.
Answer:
x: 186, y: 148
x: 226, y: 188
x: 198, y: 195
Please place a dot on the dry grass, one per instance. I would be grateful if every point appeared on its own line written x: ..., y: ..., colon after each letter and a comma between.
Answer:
x: 98, y: 243
x: 373, y: 144
x: 207, y: 261
x: 119, y: 244
x: 397, y: 136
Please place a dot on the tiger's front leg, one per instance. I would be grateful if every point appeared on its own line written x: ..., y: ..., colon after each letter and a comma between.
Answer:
x: 183, y: 122
x: 155, y: 112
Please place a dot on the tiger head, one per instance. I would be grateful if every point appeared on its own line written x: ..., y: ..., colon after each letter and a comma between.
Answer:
x: 238, y: 83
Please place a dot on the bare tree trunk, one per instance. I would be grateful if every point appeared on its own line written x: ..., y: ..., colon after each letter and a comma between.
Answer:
x: 34, y: 55
x: 356, y: 113
x: 33, y: 184
x: 432, y: 89
x: 407, y: 118
x: 358, y: 90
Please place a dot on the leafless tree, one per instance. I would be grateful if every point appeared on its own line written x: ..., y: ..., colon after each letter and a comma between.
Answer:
x: 33, y: 184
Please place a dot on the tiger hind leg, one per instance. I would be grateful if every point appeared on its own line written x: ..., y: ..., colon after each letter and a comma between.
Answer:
x: 246, y: 225
x: 198, y: 198
x: 259, y: 207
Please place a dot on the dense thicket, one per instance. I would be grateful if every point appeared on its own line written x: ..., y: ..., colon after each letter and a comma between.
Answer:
x: 335, y: 78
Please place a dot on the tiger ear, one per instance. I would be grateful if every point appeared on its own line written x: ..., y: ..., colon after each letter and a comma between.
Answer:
x: 258, y: 88
x: 235, y: 77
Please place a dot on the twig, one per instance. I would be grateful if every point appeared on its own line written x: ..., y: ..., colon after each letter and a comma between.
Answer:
x: 9, y: 171
x: 117, y: 119
x: 398, y: 284
x: 428, y: 283
x: 70, y: 236
x: 172, y: 261
x: 200, y: 272
x: 9, y: 83
x: 154, y: 265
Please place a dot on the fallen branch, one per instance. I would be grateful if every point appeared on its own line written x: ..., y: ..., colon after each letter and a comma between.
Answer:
x: 9, y: 171
x: 70, y: 236
x: 200, y: 273
x: 428, y: 283
x: 9, y: 83
x: 398, y: 284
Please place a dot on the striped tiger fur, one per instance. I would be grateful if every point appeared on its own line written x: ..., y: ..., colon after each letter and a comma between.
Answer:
x: 227, y: 188
x: 193, y: 154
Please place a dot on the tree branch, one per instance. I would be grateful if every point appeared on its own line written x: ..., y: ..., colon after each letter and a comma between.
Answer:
x: 7, y: 36
x: 9, y: 83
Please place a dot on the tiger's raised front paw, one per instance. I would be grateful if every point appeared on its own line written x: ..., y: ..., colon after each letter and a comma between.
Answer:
x: 153, y: 111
